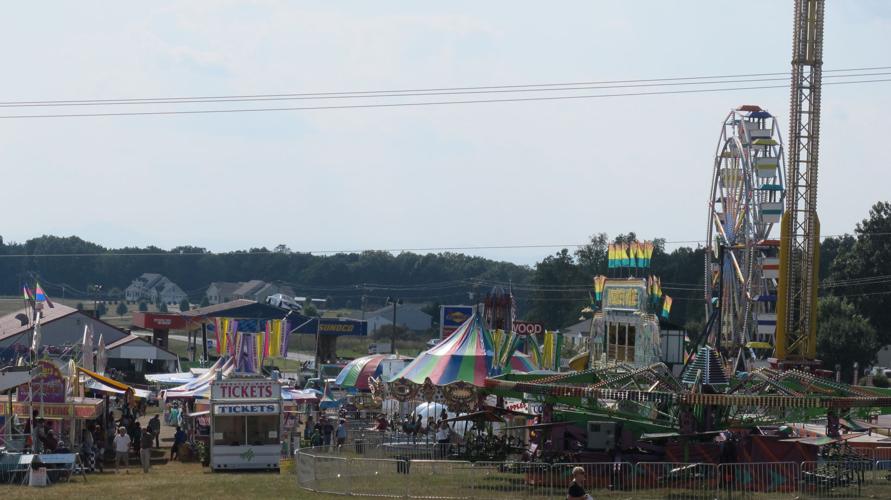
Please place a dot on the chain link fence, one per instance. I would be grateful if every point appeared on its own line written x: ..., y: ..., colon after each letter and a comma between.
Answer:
x: 394, y: 472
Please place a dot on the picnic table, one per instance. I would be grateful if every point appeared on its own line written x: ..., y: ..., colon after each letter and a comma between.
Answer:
x: 58, y: 465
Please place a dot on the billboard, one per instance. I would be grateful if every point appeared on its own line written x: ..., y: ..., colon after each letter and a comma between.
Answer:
x: 528, y: 328
x: 339, y: 327
x: 451, y: 317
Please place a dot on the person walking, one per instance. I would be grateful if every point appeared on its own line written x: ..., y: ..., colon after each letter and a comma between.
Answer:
x: 121, y: 450
x: 99, y: 443
x: 341, y: 434
x: 576, y: 492
x: 136, y: 436
x: 145, y: 450
x: 327, y: 432
x: 178, y: 438
x: 154, y: 425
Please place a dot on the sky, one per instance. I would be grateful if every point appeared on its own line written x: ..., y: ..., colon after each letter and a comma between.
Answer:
x: 527, y: 173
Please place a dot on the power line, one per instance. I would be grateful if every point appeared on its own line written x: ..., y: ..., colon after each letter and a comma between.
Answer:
x: 387, y: 93
x: 415, y: 104
x: 293, y: 97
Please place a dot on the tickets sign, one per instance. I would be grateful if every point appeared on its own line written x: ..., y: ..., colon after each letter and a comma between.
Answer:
x: 248, y: 409
x: 245, y: 389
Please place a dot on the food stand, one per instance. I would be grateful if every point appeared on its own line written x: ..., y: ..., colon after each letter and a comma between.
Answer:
x: 245, y: 424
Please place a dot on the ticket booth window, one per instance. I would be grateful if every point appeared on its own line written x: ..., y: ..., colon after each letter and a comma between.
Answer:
x: 262, y: 429
x: 229, y: 431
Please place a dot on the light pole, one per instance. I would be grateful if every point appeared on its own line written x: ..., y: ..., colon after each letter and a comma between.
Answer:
x: 395, y: 301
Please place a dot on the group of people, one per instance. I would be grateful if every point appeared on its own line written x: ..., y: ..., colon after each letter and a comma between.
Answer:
x: 324, y: 432
x: 41, y: 438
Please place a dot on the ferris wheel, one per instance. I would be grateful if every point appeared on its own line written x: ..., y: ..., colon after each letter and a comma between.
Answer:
x: 741, y: 261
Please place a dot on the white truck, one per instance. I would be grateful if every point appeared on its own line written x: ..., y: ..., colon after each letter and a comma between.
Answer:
x: 380, y: 348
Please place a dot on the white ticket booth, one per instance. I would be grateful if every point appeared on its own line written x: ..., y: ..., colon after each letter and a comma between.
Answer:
x: 245, y: 424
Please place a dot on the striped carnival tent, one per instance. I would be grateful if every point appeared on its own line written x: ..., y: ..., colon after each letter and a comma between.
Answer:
x: 356, y: 373
x: 467, y: 354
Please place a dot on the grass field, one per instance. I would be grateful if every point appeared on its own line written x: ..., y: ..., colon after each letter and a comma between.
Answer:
x: 173, y: 480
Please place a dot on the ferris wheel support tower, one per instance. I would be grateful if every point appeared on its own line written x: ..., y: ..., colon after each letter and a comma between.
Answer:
x: 796, y: 336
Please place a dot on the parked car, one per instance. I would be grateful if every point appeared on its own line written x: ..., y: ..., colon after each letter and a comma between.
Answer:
x: 432, y: 343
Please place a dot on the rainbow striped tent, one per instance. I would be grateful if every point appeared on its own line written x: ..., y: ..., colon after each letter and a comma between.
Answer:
x: 466, y: 355
x: 356, y: 372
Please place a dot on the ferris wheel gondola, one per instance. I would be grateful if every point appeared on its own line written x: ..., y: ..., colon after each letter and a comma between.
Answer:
x: 746, y: 201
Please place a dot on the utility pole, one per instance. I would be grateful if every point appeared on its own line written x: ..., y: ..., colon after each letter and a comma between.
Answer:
x: 394, y: 301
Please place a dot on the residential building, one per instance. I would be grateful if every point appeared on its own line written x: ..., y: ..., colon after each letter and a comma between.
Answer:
x: 153, y: 287
x: 221, y: 291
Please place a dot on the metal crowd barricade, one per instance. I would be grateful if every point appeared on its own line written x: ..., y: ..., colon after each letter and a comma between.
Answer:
x: 606, y: 479
x: 779, y: 479
x: 438, y: 479
x: 675, y: 480
x: 510, y: 480
x: 376, y: 477
x: 305, y: 469
x: 331, y: 475
x: 835, y: 479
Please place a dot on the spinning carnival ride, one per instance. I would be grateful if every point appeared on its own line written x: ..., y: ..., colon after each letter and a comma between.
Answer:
x: 741, y: 264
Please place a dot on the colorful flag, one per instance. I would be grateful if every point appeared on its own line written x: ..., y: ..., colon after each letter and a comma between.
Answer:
x: 648, y: 250
x: 599, y: 282
x: 611, y: 256
x: 633, y: 253
x: 666, y: 307
x: 26, y: 294
x: 41, y: 296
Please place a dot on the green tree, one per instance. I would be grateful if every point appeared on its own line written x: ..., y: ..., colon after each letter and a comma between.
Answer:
x: 551, y: 303
x: 204, y: 301
x: 844, y: 336
x: 79, y: 306
x: 310, y: 310
x: 184, y: 305
x: 143, y: 307
x: 121, y: 309
x: 101, y: 309
x: 854, y: 272
x: 162, y: 307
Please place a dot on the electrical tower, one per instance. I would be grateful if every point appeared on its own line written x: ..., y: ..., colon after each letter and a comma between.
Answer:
x: 796, y: 336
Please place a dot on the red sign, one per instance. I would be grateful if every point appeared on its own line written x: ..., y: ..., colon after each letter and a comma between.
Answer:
x: 244, y: 389
x: 48, y: 386
x: 528, y: 328
x: 159, y: 321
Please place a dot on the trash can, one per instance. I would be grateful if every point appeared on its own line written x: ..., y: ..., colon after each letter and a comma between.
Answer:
x: 402, y: 465
x: 360, y: 446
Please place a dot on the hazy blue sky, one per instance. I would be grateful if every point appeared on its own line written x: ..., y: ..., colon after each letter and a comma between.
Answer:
x: 493, y: 174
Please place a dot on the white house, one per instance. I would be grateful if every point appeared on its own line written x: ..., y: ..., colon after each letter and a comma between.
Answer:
x: 151, y: 286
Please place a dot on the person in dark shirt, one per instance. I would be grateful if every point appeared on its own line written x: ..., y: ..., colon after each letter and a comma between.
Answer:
x: 178, y: 438
x: 327, y: 432
x: 576, y: 492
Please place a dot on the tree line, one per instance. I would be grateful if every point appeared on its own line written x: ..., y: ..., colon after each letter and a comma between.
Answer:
x: 855, y: 270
